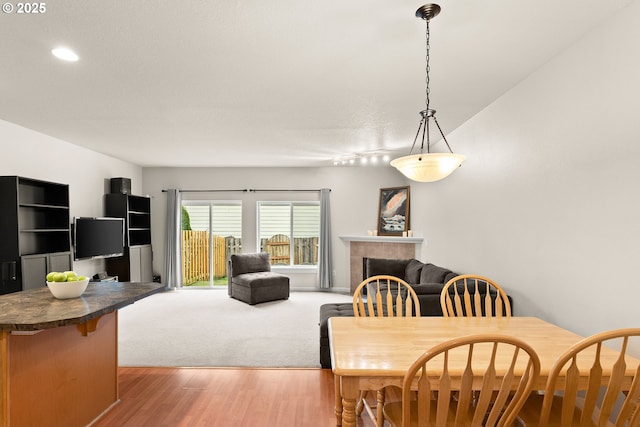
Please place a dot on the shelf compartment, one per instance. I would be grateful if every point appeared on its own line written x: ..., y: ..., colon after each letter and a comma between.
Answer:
x: 32, y: 191
x: 138, y: 204
x: 44, y: 241
x: 37, y: 217
x: 137, y: 220
x: 139, y: 236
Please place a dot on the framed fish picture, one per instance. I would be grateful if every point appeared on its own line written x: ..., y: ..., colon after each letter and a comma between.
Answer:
x: 393, y: 211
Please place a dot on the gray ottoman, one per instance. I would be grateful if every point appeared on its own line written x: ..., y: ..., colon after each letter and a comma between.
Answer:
x: 327, y: 311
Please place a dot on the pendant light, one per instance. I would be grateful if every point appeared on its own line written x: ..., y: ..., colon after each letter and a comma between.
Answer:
x: 428, y: 167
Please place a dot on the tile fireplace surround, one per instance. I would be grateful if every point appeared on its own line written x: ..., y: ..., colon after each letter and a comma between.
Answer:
x: 392, y: 247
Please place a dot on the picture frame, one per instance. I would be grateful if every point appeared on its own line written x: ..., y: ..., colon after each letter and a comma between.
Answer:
x: 393, y: 211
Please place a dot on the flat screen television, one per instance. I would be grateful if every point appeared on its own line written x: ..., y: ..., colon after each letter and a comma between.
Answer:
x: 97, y: 237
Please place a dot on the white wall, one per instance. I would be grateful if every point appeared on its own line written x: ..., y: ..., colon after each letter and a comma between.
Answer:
x: 34, y: 155
x: 354, y: 202
x: 548, y: 203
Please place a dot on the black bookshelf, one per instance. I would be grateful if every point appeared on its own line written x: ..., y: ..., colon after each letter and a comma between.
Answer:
x: 137, y: 264
x: 35, y: 229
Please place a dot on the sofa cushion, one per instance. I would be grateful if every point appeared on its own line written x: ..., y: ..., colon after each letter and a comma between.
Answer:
x: 327, y: 311
x: 433, y: 274
x: 384, y: 266
x: 428, y: 288
x: 412, y: 271
x: 471, y: 287
x: 450, y: 276
x: 261, y: 279
x: 249, y: 263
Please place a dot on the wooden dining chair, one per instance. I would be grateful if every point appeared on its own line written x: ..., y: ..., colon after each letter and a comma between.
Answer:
x: 498, y: 375
x: 385, y: 296
x: 603, y: 400
x: 382, y: 296
x: 470, y: 295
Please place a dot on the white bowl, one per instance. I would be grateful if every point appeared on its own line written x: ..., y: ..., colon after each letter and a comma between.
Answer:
x: 66, y: 290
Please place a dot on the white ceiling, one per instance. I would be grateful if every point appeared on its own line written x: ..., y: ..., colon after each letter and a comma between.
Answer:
x: 282, y: 83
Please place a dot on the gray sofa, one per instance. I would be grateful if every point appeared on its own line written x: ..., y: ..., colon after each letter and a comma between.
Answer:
x: 426, y: 279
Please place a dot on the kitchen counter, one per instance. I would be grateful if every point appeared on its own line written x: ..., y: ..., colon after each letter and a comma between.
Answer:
x: 38, y: 309
x: 59, y: 358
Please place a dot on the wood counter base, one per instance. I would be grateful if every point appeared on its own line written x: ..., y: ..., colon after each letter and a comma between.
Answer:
x: 65, y: 376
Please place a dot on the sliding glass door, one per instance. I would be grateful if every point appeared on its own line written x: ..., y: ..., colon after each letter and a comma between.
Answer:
x: 211, y: 232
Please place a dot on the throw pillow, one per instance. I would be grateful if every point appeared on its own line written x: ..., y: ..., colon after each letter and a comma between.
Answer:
x: 383, y: 266
x: 433, y: 274
x: 450, y: 276
x: 412, y: 272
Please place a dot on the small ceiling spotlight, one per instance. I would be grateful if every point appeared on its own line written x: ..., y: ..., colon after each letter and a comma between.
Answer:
x: 363, y: 158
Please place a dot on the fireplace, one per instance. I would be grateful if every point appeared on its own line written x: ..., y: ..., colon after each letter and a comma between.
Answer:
x: 391, y: 247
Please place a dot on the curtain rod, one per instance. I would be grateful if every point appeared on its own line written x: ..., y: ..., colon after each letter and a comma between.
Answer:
x: 246, y: 190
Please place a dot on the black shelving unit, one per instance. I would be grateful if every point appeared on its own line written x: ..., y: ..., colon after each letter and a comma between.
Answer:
x: 35, y: 229
x: 137, y: 264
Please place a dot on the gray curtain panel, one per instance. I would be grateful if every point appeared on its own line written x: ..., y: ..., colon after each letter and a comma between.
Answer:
x: 325, y: 263
x: 172, y: 263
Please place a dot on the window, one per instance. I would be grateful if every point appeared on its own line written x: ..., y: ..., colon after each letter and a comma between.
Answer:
x: 286, y: 228
x: 204, y: 258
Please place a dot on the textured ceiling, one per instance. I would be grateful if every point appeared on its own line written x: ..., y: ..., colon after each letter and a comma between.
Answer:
x: 254, y: 83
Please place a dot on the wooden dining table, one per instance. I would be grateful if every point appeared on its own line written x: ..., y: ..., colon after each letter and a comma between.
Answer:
x: 369, y: 353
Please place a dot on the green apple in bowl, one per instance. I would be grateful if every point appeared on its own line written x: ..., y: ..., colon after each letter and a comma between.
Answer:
x: 60, y: 277
x: 71, y: 276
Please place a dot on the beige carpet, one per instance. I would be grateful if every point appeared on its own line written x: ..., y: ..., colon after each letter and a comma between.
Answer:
x: 204, y: 327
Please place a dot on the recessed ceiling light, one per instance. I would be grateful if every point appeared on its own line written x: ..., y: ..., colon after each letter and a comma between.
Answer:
x: 65, y: 54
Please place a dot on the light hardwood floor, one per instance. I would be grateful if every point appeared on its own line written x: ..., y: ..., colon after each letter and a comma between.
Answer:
x: 225, y: 397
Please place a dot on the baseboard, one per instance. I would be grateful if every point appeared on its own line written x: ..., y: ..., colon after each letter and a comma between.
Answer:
x: 331, y: 290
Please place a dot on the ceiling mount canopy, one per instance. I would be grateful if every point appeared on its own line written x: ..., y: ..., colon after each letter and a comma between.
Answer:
x: 428, y: 11
x: 428, y: 167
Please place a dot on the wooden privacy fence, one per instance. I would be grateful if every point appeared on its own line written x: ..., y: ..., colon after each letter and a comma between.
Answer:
x: 305, y: 250
x: 195, y: 255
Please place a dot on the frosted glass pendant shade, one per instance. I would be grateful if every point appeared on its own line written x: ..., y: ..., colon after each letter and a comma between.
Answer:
x: 428, y: 167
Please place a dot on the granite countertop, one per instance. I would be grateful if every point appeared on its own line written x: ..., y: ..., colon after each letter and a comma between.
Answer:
x: 37, y: 309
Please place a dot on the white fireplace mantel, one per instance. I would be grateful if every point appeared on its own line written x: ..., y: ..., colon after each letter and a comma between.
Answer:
x: 383, y: 239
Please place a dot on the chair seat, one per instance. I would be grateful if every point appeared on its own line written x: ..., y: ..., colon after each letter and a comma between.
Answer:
x: 530, y: 413
x: 260, y: 279
x: 393, y: 413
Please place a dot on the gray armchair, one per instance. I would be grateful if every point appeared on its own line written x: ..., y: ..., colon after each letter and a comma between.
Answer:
x: 251, y: 280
